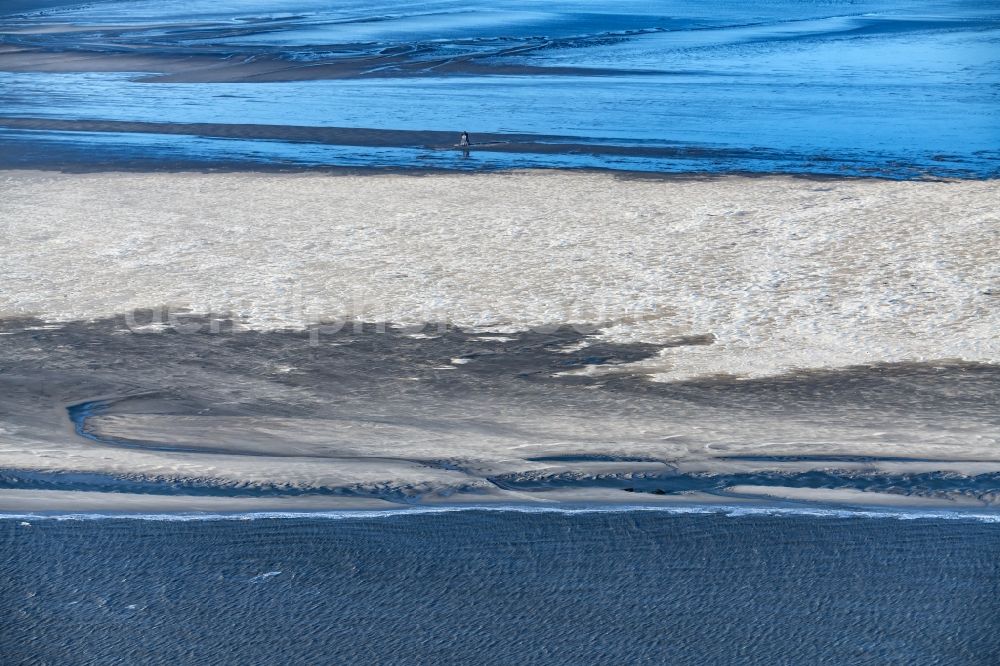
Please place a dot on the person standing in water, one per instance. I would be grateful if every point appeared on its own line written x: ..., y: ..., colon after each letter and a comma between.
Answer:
x: 464, y: 140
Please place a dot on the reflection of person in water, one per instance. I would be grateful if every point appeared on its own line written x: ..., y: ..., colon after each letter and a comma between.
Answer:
x: 464, y: 141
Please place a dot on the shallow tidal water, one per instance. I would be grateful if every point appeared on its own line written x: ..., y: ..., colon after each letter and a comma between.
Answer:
x: 503, y: 588
x: 870, y: 88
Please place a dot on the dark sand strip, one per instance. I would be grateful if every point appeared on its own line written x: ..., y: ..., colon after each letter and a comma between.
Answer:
x: 386, y: 138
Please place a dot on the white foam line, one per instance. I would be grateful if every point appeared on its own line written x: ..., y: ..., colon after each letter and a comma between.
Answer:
x: 732, y: 511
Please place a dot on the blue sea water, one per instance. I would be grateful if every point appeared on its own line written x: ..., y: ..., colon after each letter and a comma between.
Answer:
x: 503, y: 587
x: 861, y: 87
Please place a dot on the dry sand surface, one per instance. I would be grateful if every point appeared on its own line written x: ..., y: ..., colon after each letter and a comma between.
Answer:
x: 783, y: 273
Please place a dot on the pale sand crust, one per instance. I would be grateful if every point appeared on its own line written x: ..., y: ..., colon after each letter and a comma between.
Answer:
x: 848, y: 496
x: 785, y: 273
x: 16, y: 501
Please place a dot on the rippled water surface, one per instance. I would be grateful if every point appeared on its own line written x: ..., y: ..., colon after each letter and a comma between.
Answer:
x: 503, y: 588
